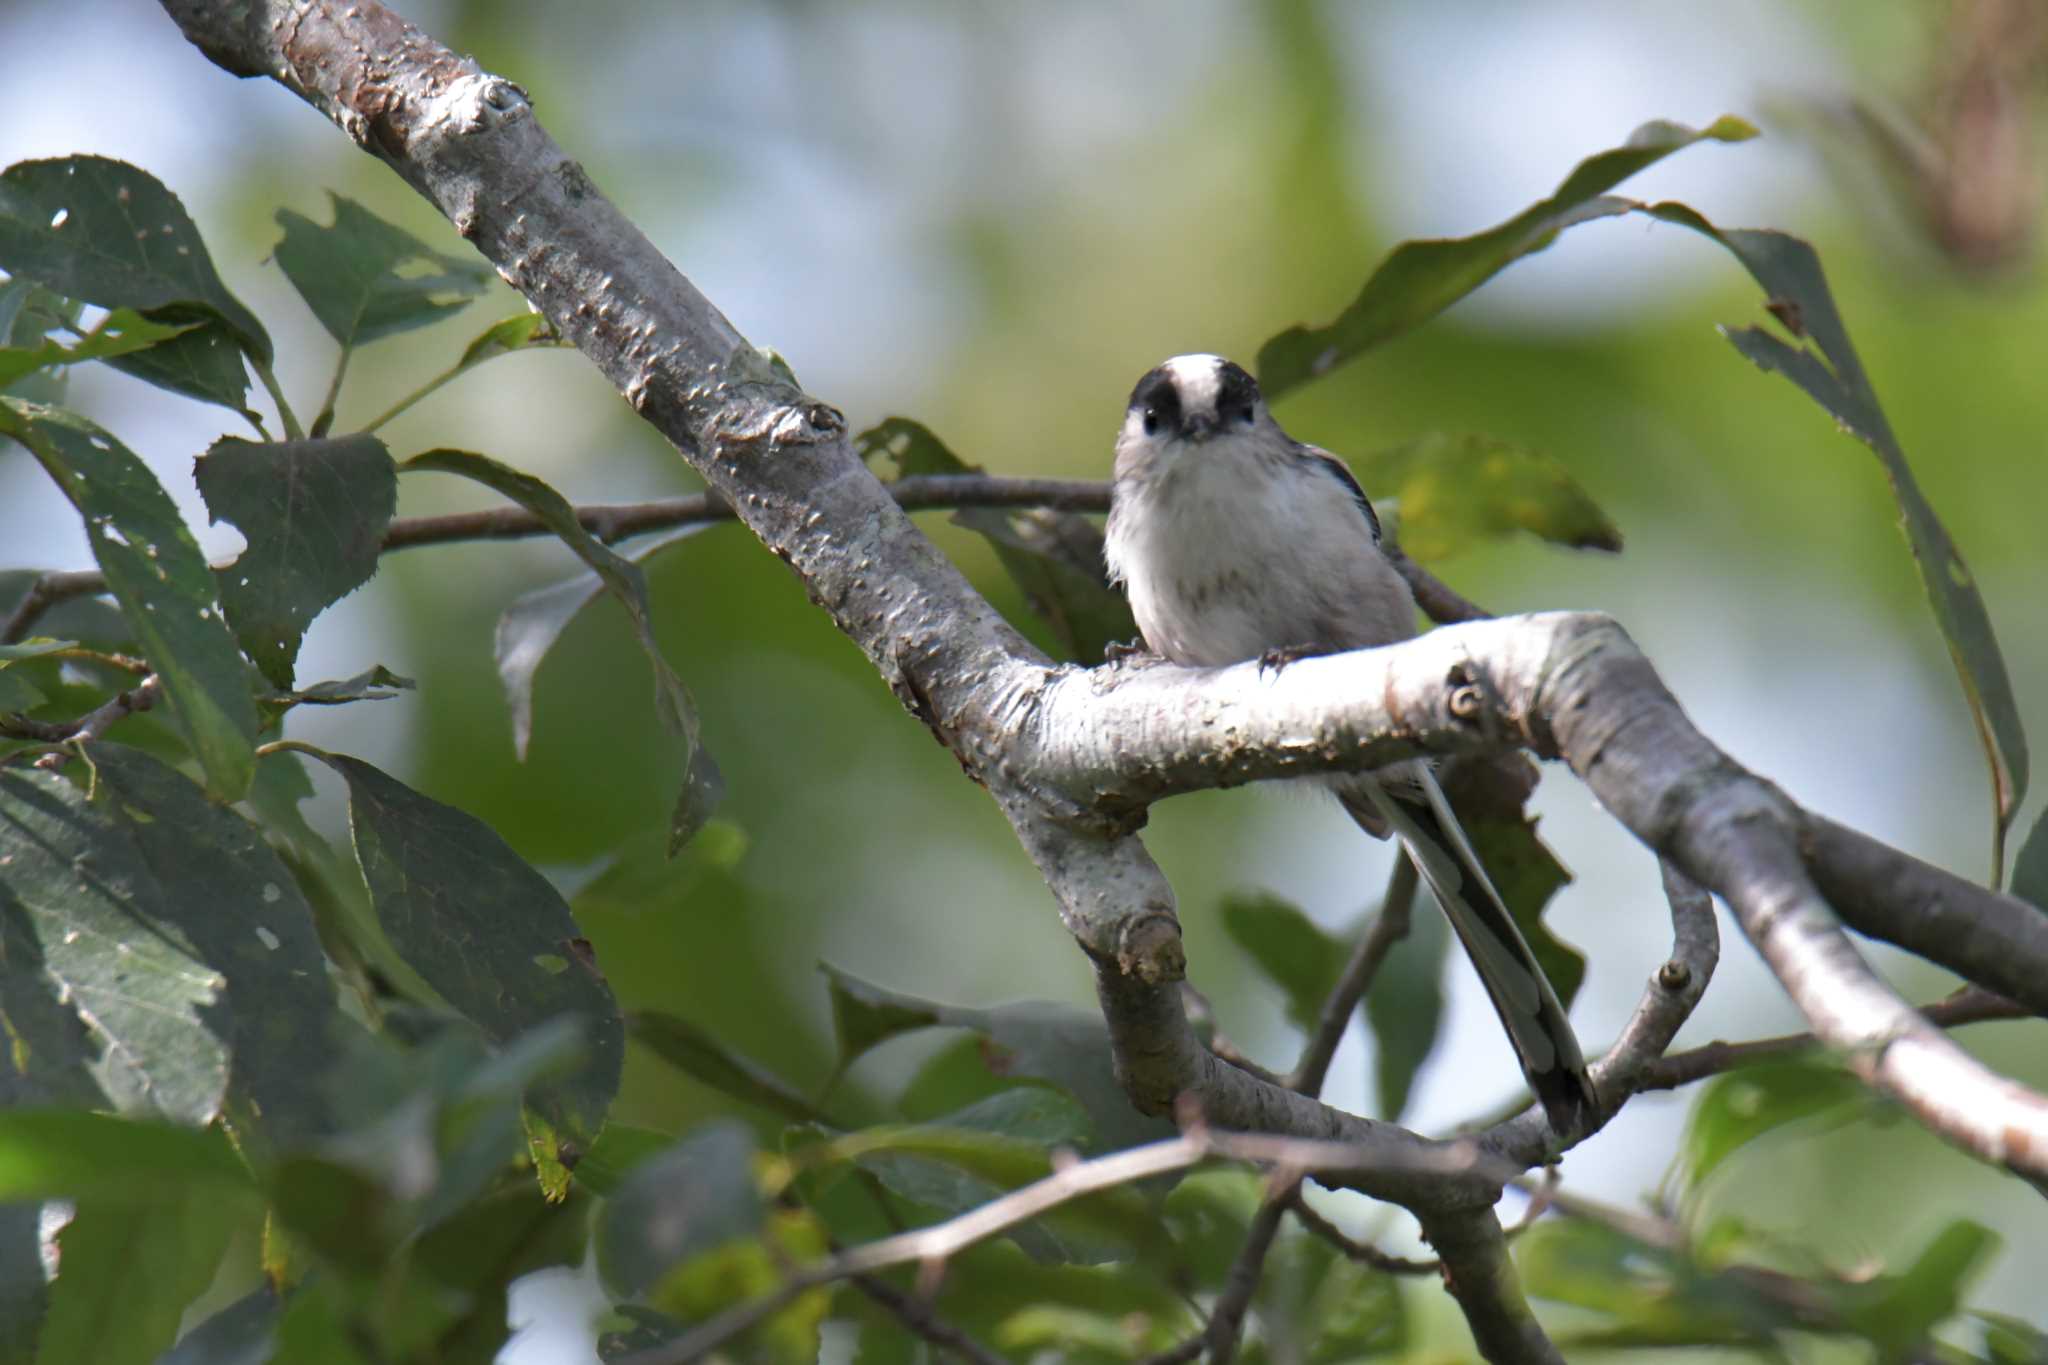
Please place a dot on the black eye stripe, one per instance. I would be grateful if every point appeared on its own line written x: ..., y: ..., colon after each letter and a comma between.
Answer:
x: 1159, y: 401
x: 1237, y: 393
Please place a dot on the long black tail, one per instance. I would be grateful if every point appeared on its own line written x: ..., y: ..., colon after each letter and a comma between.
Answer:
x: 1529, y: 1009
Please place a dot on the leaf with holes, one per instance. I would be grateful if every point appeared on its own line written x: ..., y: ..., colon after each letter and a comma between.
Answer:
x: 366, y: 279
x: 486, y: 931
x: 702, y: 785
x: 228, y: 896
x: 314, y: 514
x: 91, y: 931
x: 160, y: 579
x: 111, y: 234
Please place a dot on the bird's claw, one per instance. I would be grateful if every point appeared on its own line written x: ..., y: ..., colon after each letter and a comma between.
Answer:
x: 1277, y: 658
x: 1116, y: 651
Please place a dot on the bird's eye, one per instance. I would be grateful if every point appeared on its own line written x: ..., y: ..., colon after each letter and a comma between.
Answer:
x: 1151, y: 421
x: 1244, y: 414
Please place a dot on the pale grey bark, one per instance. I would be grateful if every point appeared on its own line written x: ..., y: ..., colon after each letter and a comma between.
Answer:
x: 1075, y: 756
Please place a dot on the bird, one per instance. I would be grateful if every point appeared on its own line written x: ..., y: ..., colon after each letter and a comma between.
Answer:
x: 1235, y: 542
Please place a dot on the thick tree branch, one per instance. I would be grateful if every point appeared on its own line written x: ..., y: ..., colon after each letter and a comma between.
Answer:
x: 1074, y: 757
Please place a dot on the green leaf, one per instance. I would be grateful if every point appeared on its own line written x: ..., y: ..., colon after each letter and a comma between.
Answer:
x: 1654, y: 1294
x: 479, y: 1252
x: 911, y: 446
x: 205, y: 364
x: 160, y: 579
x: 1898, y: 1312
x: 526, y: 332
x: 1742, y: 1106
x: 618, y: 1149
x: 702, y: 785
x: 73, y: 1154
x: 1295, y: 954
x: 1405, y: 1008
x: 1056, y: 560
x: 1789, y: 271
x: 120, y: 332
x: 2029, y: 870
x: 2011, y: 1341
x: 243, y: 1333
x: 698, y: 1195
x: 696, y: 1052
x: 224, y: 892
x: 127, y: 1271
x: 24, y: 1288
x: 486, y: 931
x: 1456, y: 491
x: 1065, y: 1046
x: 109, y: 233
x: 75, y: 894
x: 366, y: 279
x: 17, y: 693
x: 376, y: 683
x: 314, y: 514
x: 965, y: 1159
x: 1420, y: 279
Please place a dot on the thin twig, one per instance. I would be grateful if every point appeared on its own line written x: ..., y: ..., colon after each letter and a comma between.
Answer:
x: 1971, y: 1005
x: 914, y: 1313
x: 613, y: 522
x: 931, y: 1247
x: 91, y: 726
x: 1354, y: 1250
x: 1388, y: 928
x: 1225, y: 1328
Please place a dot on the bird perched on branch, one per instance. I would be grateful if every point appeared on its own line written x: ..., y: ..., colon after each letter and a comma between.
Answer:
x: 1237, y: 542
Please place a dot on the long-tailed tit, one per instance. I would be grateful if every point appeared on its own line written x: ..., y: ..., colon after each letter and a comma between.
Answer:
x: 1237, y: 542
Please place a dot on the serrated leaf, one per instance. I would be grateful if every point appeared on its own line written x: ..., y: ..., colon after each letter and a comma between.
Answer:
x: 111, y: 234
x: 366, y: 279
x: 696, y: 1052
x: 160, y: 579
x: 486, y: 931
x: 123, y: 330
x: 74, y: 1154
x: 699, y: 1194
x: 1293, y: 951
x: 205, y: 363
x: 1736, y: 1109
x: 1789, y: 271
x: 226, y: 894
x: 702, y: 785
x: 1456, y: 491
x: 313, y: 513
x: 76, y: 891
x: 126, y: 1273
x: 1405, y: 1008
x: 1420, y: 279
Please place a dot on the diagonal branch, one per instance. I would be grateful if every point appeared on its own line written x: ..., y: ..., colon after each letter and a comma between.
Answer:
x: 1389, y: 927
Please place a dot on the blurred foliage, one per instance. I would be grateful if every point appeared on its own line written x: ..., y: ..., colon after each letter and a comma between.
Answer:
x: 1208, y: 180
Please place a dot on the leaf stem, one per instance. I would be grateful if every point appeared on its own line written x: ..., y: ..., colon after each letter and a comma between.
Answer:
x: 292, y: 430
x: 325, y: 418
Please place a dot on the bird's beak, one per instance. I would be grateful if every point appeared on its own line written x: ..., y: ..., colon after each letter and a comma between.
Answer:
x: 1200, y: 426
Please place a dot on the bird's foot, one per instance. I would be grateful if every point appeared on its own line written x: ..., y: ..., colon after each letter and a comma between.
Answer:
x: 1116, y: 651
x: 1277, y: 658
